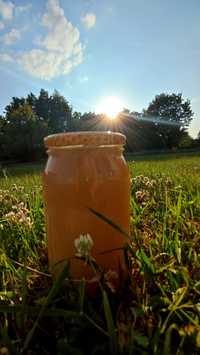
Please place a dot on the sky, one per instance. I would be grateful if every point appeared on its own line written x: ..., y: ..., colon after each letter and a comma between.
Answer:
x: 91, y: 49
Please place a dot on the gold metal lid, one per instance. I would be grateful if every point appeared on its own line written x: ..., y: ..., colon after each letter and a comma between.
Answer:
x: 84, y: 138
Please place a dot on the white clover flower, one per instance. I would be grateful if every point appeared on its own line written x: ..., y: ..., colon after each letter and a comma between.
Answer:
x: 138, y: 179
x: 21, y: 205
x: 19, y: 215
x: 21, y: 188
x: 142, y: 196
x: 14, y: 207
x: 14, y: 187
x: 10, y: 215
x: 145, y: 179
x: 83, y: 245
x: 148, y: 184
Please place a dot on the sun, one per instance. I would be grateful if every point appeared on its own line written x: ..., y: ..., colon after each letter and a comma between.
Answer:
x: 110, y: 106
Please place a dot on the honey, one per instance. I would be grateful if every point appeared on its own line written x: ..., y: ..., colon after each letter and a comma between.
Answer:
x: 86, y: 170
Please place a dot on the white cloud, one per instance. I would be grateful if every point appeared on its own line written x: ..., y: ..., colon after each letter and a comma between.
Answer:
x: 4, y: 57
x: 11, y: 37
x: 44, y: 64
x: 23, y: 8
x: 6, y: 9
x: 1, y: 25
x: 61, y: 49
x: 89, y: 20
x: 62, y: 36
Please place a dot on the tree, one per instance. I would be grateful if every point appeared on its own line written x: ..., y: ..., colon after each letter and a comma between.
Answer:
x: 23, y: 134
x: 41, y: 104
x: 89, y: 121
x: 140, y: 133
x: 171, y: 115
x: 15, y: 104
x: 60, y: 114
x: 31, y: 100
x: 2, y: 135
x: 186, y: 141
x: 197, y: 140
x: 28, y: 119
x: 76, y: 120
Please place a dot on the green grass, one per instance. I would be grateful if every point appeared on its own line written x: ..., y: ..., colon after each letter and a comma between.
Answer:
x: 156, y: 311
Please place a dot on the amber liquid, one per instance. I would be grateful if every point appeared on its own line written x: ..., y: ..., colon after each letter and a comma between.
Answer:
x: 76, y: 180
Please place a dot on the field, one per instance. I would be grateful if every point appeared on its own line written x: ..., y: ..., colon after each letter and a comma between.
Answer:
x: 155, y: 311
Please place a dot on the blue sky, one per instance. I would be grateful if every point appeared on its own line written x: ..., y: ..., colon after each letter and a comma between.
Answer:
x: 91, y: 49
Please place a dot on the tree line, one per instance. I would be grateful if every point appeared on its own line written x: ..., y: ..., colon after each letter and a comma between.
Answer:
x: 27, y: 120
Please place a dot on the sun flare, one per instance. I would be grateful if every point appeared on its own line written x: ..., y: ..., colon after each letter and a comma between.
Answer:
x: 110, y: 106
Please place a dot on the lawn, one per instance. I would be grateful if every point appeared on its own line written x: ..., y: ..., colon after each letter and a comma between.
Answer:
x: 155, y: 311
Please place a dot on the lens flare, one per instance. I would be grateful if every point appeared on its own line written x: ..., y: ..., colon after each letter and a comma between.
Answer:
x: 110, y: 106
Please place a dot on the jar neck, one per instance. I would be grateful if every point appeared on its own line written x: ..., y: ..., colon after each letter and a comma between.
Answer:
x: 113, y: 149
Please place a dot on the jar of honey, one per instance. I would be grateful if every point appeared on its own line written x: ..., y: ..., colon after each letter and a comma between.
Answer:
x: 84, y: 171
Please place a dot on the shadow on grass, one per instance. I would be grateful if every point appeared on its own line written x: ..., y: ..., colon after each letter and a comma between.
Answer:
x: 149, y: 156
x: 21, y: 169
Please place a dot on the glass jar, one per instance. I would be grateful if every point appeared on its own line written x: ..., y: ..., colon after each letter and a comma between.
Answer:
x: 86, y: 170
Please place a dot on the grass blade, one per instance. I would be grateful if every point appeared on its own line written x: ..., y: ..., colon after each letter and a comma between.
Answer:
x: 54, y: 290
x: 82, y: 295
x: 110, y: 324
x: 111, y: 223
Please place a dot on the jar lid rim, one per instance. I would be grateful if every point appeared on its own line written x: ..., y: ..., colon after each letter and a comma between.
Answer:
x: 85, y: 138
